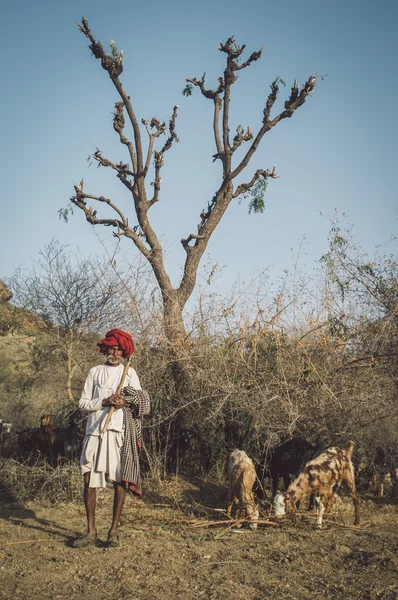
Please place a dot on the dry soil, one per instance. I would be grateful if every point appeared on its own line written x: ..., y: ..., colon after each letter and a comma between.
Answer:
x: 170, y: 551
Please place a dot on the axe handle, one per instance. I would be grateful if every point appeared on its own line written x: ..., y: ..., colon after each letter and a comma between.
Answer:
x: 119, y: 389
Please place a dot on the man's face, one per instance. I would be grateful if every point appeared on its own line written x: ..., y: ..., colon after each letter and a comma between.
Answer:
x: 113, y: 354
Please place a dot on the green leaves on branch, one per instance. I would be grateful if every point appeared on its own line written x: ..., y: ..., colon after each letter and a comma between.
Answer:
x: 64, y: 213
x: 187, y: 91
x: 257, y: 204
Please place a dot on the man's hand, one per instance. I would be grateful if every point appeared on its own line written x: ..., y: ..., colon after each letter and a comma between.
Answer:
x: 117, y: 401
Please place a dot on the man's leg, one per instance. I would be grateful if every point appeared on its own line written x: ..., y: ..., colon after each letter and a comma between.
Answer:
x: 118, y: 503
x: 89, y: 502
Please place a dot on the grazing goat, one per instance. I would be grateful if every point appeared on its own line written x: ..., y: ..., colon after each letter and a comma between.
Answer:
x: 378, y: 473
x: 279, y: 505
x: 242, y: 475
x: 288, y: 459
x: 322, y: 477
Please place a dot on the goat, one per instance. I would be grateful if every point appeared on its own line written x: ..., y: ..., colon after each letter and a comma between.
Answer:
x: 67, y: 442
x: 288, y: 459
x: 321, y: 477
x: 27, y: 439
x: 279, y: 505
x: 46, y: 435
x: 5, y: 431
x: 39, y: 438
x: 379, y: 472
x: 5, y: 427
x: 241, y: 476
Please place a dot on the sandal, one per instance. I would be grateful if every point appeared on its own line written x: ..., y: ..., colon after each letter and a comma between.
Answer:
x: 113, y: 541
x: 84, y: 542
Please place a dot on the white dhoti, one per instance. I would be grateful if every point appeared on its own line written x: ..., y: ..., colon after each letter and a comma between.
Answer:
x: 101, y: 458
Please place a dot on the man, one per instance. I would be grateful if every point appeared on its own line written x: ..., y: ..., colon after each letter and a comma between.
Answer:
x: 111, y: 455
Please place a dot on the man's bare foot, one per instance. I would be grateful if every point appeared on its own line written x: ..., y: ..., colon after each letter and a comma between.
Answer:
x: 113, y: 540
x: 85, y: 541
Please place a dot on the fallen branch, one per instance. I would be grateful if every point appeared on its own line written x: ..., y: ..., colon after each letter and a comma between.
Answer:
x: 224, y: 532
x: 335, y: 523
x: 197, y: 525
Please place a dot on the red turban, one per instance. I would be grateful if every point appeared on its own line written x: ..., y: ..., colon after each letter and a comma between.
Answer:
x: 117, y: 337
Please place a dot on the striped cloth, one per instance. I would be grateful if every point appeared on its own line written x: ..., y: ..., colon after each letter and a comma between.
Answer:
x: 138, y: 406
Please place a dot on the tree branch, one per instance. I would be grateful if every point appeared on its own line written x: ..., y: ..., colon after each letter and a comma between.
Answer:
x: 209, y: 222
x: 160, y: 128
x: 118, y: 126
x: 114, y: 67
x: 200, y: 83
x: 192, y: 236
x: 244, y: 187
x: 295, y: 101
x: 79, y: 200
x: 241, y: 136
x: 253, y: 57
x: 120, y: 167
x: 216, y: 119
x: 159, y: 156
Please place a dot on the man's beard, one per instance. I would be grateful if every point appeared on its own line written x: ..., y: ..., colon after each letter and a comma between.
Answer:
x: 113, y: 360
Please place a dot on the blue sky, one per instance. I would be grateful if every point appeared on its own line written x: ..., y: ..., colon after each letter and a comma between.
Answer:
x: 337, y: 152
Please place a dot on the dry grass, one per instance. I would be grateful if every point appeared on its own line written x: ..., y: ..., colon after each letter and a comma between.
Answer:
x: 20, y: 482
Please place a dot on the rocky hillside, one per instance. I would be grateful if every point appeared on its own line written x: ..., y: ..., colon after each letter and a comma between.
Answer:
x: 14, y: 320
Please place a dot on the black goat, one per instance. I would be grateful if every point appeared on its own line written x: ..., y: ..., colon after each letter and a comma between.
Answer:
x: 67, y: 443
x: 287, y: 460
x: 27, y: 439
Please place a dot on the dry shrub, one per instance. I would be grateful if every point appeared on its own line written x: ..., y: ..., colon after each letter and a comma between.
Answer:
x: 323, y: 369
x: 20, y: 482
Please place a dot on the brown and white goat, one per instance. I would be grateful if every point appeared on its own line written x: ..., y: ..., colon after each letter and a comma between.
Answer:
x: 321, y: 477
x: 241, y: 476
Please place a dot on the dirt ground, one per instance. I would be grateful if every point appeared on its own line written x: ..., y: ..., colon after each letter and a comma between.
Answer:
x: 170, y: 551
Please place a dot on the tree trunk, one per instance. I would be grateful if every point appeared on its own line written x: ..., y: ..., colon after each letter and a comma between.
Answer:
x: 178, y: 343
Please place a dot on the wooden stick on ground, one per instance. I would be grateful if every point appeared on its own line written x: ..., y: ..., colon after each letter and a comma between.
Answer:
x: 199, y: 524
x: 119, y: 389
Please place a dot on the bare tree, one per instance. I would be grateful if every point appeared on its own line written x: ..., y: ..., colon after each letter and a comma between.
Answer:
x: 134, y: 175
x: 73, y: 296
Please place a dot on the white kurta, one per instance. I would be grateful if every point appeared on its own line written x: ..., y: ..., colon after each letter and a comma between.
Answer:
x: 101, y: 452
x: 102, y: 382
